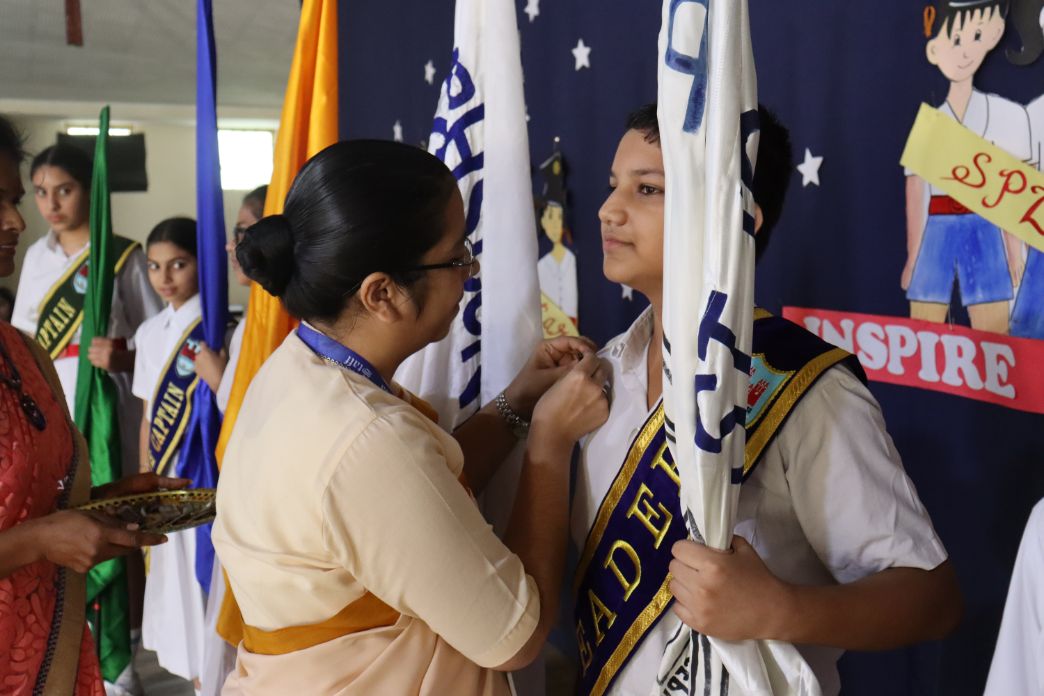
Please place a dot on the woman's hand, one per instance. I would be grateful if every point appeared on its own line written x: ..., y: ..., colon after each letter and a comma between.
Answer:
x: 210, y: 365
x: 550, y: 361
x: 110, y: 354
x: 79, y: 541
x: 138, y: 483
x: 577, y: 404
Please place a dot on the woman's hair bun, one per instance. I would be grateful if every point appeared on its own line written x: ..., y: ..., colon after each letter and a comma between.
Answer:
x: 266, y: 253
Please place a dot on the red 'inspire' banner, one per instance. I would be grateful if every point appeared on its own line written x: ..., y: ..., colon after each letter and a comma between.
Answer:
x: 952, y: 359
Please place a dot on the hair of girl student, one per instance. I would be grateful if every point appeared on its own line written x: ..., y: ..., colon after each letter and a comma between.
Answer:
x: 11, y: 142
x: 69, y: 158
x: 1028, y: 18
x: 948, y: 15
x: 356, y: 208
x: 255, y: 201
x: 179, y: 231
x: 771, y: 172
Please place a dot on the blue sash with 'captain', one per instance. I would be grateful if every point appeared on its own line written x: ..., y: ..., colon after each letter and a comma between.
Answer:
x: 172, y: 401
x: 622, y: 580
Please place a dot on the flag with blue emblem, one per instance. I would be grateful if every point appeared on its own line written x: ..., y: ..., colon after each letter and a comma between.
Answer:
x: 480, y: 133
x: 197, y: 458
x: 707, y: 112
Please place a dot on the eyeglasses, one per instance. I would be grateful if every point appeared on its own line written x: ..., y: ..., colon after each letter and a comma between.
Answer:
x: 467, y: 261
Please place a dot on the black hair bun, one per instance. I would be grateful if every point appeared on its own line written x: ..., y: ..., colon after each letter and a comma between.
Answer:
x: 266, y: 253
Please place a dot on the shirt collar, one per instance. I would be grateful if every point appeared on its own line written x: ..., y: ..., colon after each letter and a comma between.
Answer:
x: 51, y: 240
x: 631, y: 348
x: 184, y: 315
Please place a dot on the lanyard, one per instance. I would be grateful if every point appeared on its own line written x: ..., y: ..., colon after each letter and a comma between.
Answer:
x: 333, y: 352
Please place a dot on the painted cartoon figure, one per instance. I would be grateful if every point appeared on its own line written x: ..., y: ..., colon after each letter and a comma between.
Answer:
x: 1027, y: 314
x: 557, y: 268
x: 945, y: 241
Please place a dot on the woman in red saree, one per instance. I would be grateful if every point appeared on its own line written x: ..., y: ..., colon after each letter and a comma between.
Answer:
x: 45, y: 546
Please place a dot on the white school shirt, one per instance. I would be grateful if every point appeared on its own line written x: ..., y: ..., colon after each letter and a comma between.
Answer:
x: 1018, y: 661
x: 558, y: 281
x: 997, y: 120
x: 133, y: 300
x: 1035, y: 110
x: 156, y: 340
x: 224, y: 391
x: 828, y: 503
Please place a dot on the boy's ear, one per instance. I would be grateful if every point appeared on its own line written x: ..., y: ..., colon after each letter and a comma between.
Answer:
x: 929, y: 51
x: 759, y: 219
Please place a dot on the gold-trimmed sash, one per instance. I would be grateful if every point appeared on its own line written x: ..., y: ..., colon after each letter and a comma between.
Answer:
x: 172, y: 400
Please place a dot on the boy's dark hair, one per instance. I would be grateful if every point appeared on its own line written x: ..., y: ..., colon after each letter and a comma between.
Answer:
x: 11, y: 141
x: 947, y: 15
x: 771, y: 173
x: 69, y: 158
x: 255, y: 201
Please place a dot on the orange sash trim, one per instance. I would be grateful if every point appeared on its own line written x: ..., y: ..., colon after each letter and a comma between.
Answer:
x: 361, y: 615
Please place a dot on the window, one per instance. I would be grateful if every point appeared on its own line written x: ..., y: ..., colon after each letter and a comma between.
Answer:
x: 246, y: 158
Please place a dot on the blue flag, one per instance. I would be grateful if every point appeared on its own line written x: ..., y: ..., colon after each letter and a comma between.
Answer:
x: 198, y: 461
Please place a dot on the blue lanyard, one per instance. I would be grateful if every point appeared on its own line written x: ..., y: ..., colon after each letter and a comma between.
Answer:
x: 332, y: 351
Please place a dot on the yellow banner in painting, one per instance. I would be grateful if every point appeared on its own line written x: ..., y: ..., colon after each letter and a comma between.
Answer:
x: 556, y: 322
x: 977, y: 174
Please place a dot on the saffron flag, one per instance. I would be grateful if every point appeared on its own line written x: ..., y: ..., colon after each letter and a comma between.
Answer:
x: 707, y: 111
x: 308, y: 125
x: 96, y: 417
x: 197, y: 458
x: 480, y: 133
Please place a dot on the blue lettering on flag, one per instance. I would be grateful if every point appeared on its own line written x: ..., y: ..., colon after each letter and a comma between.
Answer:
x: 452, y: 126
x: 690, y: 65
x: 712, y: 328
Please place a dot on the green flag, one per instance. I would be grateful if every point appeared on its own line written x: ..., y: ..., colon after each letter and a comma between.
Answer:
x: 96, y: 417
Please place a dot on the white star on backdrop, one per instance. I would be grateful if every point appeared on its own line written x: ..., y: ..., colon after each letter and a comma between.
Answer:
x: 397, y: 132
x: 532, y: 9
x: 810, y: 169
x: 582, y: 55
x: 429, y: 73
x: 628, y: 292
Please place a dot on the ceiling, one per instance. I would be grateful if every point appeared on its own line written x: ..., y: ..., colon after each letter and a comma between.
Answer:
x: 144, y: 52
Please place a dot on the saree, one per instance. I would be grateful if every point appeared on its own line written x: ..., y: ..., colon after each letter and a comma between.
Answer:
x: 43, y: 631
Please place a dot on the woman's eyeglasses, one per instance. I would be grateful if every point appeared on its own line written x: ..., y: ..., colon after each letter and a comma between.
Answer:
x: 466, y: 261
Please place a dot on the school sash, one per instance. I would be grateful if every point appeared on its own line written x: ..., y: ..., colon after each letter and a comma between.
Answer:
x: 621, y: 584
x: 172, y: 401
x: 61, y: 310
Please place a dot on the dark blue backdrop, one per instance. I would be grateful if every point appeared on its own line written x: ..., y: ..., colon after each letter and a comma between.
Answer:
x: 847, y: 78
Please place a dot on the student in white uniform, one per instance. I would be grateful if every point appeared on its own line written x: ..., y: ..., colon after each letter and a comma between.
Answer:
x: 829, y: 513
x: 1018, y: 661
x: 219, y: 657
x: 946, y: 242
x: 164, y: 379
x: 54, y: 272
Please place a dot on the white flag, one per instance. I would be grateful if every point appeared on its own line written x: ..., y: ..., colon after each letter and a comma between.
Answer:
x: 707, y: 112
x: 480, y: 133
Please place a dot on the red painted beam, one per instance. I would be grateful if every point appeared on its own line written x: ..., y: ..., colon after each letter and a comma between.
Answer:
x: 73, y: 23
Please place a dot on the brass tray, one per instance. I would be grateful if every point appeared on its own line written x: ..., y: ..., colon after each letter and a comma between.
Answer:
x: 161, y: 512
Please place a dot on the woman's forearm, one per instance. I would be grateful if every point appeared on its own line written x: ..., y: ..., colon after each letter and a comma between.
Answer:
x: 486, y: 441
x: 18, y: 547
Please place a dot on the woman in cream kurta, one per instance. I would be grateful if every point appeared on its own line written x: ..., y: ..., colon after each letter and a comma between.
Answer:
x: 353, y: 546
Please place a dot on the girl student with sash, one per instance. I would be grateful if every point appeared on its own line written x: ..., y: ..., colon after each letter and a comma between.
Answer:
x: 346, y: 523
x: 832, y: 548
x: 219, y: 657
x: 164, y: 379
x: 53, y: 284
x: 45, y: 545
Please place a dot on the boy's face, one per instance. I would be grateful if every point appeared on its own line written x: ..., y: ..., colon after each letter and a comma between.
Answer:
x: 958, y: 51
x: 632, y: 216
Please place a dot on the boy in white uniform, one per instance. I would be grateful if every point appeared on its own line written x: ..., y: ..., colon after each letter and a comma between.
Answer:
x: 844, y: 555
x: 946, y: 241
